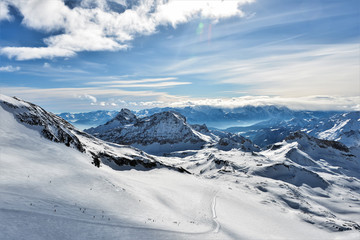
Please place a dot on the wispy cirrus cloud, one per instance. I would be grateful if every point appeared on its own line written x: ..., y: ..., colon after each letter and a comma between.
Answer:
x: 146, y: 80
x: 140, y: 83
x: 9, y: 68
x: 95, y: 26
x: 304, y: 70
x: 150, y: 85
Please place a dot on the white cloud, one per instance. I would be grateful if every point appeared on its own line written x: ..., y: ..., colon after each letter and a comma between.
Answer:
x: 321, y: 103
x: 93, y: 26
x: 27, y: 53
x: 4, y: 11
x: 9, y: 68
x: 176, y: 12
x: 89, y: 97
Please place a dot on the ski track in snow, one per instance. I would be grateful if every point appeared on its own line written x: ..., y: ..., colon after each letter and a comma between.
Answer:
x: 213, y: 209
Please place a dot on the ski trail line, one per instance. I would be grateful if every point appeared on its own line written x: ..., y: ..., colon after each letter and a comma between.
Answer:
x: 213, y: 209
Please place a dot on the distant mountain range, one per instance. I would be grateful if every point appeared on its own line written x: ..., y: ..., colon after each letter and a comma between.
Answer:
x: 263, y: 125
x: 88, y: 119
x: 213, y: 117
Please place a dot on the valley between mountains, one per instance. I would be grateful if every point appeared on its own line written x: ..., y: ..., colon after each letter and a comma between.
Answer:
x: 159, y: 175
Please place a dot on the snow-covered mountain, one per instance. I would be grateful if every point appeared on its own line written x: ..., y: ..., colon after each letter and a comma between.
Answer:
x: 161, y: 132
x: 300, y: 188
x: 345, y: 128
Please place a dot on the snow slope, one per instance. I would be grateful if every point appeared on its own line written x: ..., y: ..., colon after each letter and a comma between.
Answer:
x: 52, y: 191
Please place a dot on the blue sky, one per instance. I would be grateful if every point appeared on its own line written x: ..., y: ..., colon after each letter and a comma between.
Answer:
x: 108, y: 54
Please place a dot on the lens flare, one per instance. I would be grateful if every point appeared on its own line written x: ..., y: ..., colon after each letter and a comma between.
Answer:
x: 200, y: 29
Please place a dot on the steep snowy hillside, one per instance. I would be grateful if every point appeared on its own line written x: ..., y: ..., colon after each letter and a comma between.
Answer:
x: 159, y: 133
x: 58, y: 130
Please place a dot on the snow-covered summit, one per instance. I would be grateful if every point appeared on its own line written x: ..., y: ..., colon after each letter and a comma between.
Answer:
x: 125, y: 116
x: 161, y: 132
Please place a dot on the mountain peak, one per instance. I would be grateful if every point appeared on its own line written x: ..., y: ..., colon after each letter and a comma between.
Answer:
x: 167, y: 115
x: 125, y: 116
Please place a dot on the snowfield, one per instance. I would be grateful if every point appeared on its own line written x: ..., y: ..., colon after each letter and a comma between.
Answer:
x: 297, y: 190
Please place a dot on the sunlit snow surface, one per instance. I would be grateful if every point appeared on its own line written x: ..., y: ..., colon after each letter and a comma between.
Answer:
x: 50, y: 191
